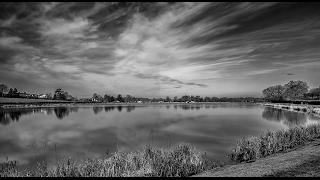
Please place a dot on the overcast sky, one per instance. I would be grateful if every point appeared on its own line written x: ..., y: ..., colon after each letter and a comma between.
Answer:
x: 158, y: 49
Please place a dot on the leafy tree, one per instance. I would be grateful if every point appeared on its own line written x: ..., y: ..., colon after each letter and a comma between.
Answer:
x: 59, y: 94
x: 214, y: 99
x: 128, y: 98
x: 13, y: 92
x: 97, y: 97
x: 49, y: 96
x: 185, y: 98
x: 314, y: 93
x: 120, y: 98
x: 112, y: 99
x: 274, y: 93
x: 106, y: 98
x: 3, y: 89
x: 295, y: 89
x: 207, y: 99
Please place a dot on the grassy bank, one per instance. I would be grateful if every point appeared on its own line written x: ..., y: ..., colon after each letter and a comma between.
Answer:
x: 271, y: 142
x: 182, y: 160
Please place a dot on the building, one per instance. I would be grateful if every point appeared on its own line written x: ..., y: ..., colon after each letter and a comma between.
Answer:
x: 42, y: 96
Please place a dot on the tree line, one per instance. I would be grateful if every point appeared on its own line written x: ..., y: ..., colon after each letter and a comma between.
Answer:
x: 186, y: 98
x: 60, y: 94
x: 293, y: 90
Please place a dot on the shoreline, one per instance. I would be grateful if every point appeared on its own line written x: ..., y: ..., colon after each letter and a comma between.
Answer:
x: 39, y: 103
x: 305, y: 108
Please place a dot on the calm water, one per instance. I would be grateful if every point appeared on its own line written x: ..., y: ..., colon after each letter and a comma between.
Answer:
x: 30, y: 135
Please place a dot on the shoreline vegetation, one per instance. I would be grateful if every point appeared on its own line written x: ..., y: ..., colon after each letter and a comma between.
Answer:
x: 315, y: 109
x: 33, y: 103
x: 181, y: 160
x: 251, y: 148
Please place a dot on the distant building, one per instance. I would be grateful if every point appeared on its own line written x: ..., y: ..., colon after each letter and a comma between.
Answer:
x: 42, y: 96
x: 32, y: 96
x: 94, y: 100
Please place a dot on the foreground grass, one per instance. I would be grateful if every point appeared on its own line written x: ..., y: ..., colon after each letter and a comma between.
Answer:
x: 310, y: 168
x: 271, y: 142
x: 182, y: 160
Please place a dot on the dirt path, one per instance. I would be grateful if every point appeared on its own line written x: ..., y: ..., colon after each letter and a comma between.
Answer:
x: 302, y: 161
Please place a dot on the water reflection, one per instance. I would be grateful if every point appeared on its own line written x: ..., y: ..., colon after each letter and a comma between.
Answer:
x: 62, y: 112
x: 97, y: 109
x: 119, y: 108
x: 12, y: 115
x: 210, y: 127
x: 130, y: 108
x: 109, y: 108
x: 190, y: 107
x: 289, y: 118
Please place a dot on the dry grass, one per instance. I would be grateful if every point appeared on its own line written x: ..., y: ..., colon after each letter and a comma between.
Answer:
x: 255, y: 147
x: 182, y: 160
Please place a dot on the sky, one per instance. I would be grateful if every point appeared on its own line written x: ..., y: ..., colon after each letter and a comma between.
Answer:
x: 158, y: 49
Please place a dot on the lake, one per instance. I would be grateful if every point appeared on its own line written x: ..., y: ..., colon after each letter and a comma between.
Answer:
x: 29, y: 135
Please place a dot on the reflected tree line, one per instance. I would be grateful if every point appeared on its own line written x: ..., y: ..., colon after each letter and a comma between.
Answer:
x: 272, y: 114
x: 13, y: 115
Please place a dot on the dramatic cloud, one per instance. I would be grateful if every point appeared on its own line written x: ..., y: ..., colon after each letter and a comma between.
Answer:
x: 158, y: 49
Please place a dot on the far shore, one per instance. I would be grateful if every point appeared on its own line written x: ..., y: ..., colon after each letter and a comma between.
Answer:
x: 8, y: 103
x: 33, y: 103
